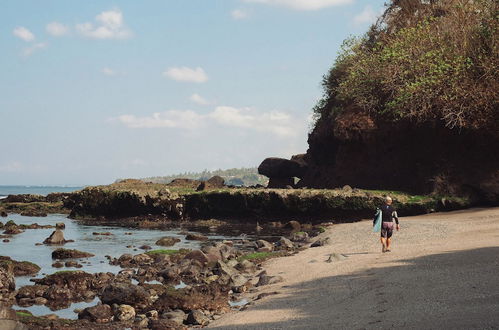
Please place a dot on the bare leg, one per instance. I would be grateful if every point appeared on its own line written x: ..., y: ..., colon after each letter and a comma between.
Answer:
x: 383, y: 242
x: 388, y: 242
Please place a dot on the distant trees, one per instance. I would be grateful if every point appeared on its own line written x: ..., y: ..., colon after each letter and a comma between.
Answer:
x: 422, y: 60
x: 233, y: 176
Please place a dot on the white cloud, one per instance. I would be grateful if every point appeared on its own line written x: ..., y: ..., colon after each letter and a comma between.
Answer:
x: 277, y: 123
x: 13, y: 166
x: 198, y: 99
x: 303, y: 4
x: 57, y: 29
x: 23, y: 33
x: 367, y: 16
x: 170, y: 119
x: 108, y: 72
x: 197, y: 75
x: 30, y: 50
x: 109, y: 25
x: 239, y: 14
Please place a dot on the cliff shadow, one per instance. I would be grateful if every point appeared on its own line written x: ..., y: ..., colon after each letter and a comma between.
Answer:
x: 455, y: 290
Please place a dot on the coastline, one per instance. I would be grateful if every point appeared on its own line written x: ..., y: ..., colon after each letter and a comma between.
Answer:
x: 418, y: 285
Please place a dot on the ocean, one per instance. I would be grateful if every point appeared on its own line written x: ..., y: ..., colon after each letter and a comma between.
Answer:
x: 38, y: 190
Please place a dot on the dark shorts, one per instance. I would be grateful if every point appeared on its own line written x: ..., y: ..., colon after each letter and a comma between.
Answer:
x: 386, y: 229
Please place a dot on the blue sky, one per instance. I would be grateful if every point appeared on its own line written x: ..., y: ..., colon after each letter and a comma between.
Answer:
x: 91, y: 91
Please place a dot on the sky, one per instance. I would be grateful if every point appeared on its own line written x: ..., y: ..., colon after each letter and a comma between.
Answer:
x: 92, y: 91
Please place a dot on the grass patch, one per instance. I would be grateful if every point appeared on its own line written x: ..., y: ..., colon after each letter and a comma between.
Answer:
x: 23, y: 314
x: 260, y: 256
x: 167, y: 252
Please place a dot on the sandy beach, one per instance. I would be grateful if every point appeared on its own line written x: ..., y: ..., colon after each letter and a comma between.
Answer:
x: 442, y: 273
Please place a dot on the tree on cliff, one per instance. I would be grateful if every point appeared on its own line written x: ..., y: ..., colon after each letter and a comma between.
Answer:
x: 433, y: 60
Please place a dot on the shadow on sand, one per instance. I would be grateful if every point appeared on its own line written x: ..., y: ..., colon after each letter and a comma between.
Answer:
x: 455, y: 290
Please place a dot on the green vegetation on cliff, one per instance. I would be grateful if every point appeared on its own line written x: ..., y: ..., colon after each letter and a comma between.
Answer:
x: 423, y: 61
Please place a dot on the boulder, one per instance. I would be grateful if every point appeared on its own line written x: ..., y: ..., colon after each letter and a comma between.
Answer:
x: 125, y: 294
x: 167, y: 241
x: 197, y: 255
x: 285, y: 244
x: 98, y: 313
x: 162, y: 324
x: 265, y: 279
x: 124, y: 313
x: 196, y: 237
x: 300, y: 236
x: 281, y: 183
x: 196, y: 317
x: 178, y: 316
x: 215, y: 182
x: 70, y: 254
x: 8, y: 319
x: 321, y: 242
x: 56, y: 238
x: 282, y: 168
x: 293, y: 225
x: 264, y: 246
x: 7, y: 281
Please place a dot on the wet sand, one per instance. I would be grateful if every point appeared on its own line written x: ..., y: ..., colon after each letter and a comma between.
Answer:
x: 442, y: 273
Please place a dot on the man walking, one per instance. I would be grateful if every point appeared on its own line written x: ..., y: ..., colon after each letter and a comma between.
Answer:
x: 388, y: 214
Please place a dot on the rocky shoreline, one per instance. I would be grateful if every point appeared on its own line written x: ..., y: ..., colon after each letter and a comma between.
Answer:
x: 157, y: 289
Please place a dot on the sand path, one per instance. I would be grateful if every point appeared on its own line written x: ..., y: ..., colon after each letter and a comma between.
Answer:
x: 443, y: 273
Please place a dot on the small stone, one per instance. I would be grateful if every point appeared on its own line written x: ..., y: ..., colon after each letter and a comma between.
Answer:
x: 124, y: 313
x: 196, y: 317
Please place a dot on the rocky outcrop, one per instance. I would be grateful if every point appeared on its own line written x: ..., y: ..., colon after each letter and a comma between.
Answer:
x: 282, y: 172
x: 405, y: 156
x: 167, y: 241
x: 70, y: 254
x: 56, y: 238
x: 19, y: 268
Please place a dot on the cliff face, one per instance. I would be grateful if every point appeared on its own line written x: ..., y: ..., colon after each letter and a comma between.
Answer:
x: 418, y: 158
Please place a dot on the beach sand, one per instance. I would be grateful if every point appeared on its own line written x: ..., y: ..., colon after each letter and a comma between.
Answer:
x: 442, y: 273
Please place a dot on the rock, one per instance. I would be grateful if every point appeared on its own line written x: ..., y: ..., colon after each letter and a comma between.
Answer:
x: 300, y: 236
x: 264, y: 246
x: 196, y: 317
x: 6, y: 240
x: 33, y: 213
x: 281, y: 183
x: 285, y: 243
x: 7, y: 281
x: 282, y: 168
x: 321, y: 242
x: 167, y: 241
x: 293, y: 225
x: 246, y: 266
x: 70, y: 254
x: 198, y: 256
x: 57, y: 264
x: 40, y: 301
x: 223, y: 269
x: 152, y: 314
x: 266, y: 280
x: 60, y: 225
x: 8, y: 319
x: 163, y: 324
x: 335, y: 257
x: 215, y: 182
x: 142, y: 259
x: 196, y: 237
x: 127, y: 294
x: 3, y: 214
x: 99, y: 314
x: 56, y: 238
x: 124, y: 313
x: 145, y: 247
x: 72, y: 263
x: 21, y: 268
x: 178, y: 316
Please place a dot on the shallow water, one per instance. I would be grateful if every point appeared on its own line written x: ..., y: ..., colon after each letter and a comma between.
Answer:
x: 22, y: 248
